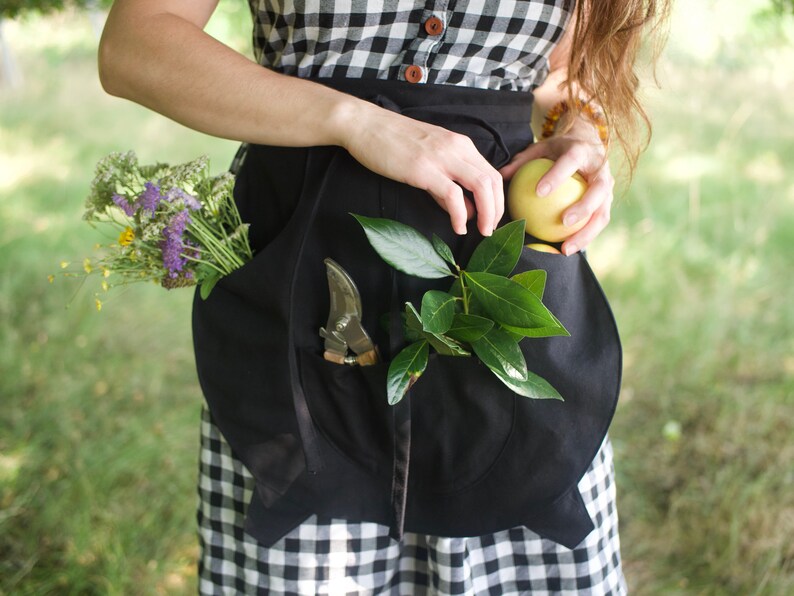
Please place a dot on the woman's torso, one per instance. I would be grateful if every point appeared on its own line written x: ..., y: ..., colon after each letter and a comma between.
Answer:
x: 486, y: 44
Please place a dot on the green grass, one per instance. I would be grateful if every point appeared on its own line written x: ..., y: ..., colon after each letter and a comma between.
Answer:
x: 99, y: 426
x: 698, y: 262
x: 99, y: 419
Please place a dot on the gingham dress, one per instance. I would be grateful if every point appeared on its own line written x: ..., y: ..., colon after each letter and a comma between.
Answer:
x: 491, y: 45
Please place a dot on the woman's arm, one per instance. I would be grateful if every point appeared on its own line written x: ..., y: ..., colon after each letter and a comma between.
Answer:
x: 155, y: 52
x: 579, y: 149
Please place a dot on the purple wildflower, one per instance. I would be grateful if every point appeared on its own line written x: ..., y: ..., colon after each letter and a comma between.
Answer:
x: 122, y: 203
x: 173, y: 245
x: 189, y: 201
x: 150, y: 197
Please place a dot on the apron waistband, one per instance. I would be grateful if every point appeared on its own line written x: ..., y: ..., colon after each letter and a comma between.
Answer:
x: 507, y: 106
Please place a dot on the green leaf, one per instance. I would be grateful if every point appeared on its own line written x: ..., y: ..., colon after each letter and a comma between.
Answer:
x: 405, y: 369
x: 508, y: 302
x: 468, y: 328
x: 534, y: 281
x: 207, y: 284
x: 442, y: 344
x: 534, y: 387
x: 446, y: 346
x: 456, y: 289
x: 475, y: 308
x: 550, y: 331
x: 403, y: 248
x: 410, y: 334
x: 444, y: 251
x: 438, y: 308
x: 501, y: 354
x: 516, y: 336
x: 499, y: 253
x: 412, y: 318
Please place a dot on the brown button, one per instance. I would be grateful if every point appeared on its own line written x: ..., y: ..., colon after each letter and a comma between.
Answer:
x: 413, y: 74
x: 434, y: 26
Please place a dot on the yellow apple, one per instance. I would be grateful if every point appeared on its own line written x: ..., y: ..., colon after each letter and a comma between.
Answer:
x: 544, y: 214
x: 543, y: 248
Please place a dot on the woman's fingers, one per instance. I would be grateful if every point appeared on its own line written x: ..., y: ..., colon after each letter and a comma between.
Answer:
x: 468, y: 168
x: 572, y: 154
x: 445, y: 164
x: 595, y: 206
x: 450, y: 197
x: 487, y: 205
x: 534, y: 151
x: 481, y: 185
x: 599, y: 192
x: 492, y: 177
x: 450, y: 177
x: 566, y: 165
x: 580, y: 240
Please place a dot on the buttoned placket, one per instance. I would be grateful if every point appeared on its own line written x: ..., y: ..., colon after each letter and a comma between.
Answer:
x: 422, y: 50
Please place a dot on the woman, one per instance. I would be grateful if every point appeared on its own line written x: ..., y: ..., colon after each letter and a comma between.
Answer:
x: 383, y: 82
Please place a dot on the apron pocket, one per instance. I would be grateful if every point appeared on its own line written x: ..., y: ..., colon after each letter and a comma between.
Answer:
x: 348, y: 406
x: 462, y: 419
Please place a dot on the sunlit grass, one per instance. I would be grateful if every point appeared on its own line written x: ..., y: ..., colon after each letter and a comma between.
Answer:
x: 98, y: 431
x: 698, y: 262
x: 98, y: 434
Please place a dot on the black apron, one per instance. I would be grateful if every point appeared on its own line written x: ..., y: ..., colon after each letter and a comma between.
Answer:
x: 461, y: 455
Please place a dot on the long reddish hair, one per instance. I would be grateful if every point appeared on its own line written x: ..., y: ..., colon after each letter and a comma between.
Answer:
x: 606, y: 40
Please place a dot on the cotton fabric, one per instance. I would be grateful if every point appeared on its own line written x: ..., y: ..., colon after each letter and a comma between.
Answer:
x: 484, y: 44
x: 339, y: 557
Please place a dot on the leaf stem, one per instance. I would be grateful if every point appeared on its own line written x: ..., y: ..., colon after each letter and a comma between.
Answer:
x: 465, y: 292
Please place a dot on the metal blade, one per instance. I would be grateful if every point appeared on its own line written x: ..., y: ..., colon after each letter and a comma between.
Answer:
x: 345, y: 306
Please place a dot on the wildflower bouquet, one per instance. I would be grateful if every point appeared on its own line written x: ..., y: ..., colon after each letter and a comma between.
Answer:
x: 176, y: 225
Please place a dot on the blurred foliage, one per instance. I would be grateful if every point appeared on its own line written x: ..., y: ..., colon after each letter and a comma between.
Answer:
x: 12, y: 8
x: 782, y: 6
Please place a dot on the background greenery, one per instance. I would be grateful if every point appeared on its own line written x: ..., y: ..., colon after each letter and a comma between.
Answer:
x: 99, y: 417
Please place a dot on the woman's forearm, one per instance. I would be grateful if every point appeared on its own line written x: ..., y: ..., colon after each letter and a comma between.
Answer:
x: 164, y: 61
x: 155, y: 53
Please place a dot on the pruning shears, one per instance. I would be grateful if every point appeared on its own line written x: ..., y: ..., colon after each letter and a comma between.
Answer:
x: 346, y: 341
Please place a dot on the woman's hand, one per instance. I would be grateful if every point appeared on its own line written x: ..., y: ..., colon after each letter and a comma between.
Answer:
x: 429, y: 157
x: 580, y: 150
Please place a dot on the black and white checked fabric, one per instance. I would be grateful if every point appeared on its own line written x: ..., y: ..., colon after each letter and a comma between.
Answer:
x: 342, y: 558
x: 486, y: 44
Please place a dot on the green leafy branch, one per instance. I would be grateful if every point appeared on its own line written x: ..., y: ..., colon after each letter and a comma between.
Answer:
x: 486, y: 311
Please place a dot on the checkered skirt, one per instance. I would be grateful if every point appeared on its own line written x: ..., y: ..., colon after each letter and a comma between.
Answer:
x: 340, y: 557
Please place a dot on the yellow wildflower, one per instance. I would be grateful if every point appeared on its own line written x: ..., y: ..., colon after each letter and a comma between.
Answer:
x: 105, y: 272
x: 127, y: 236
x: 98, y: 304
x: 64, y: 264
x: 50, y: 278
x: 105, y: 286
x: 87, y: 266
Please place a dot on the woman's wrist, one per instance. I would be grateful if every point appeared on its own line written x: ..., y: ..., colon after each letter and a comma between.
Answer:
x: 345, y: 115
